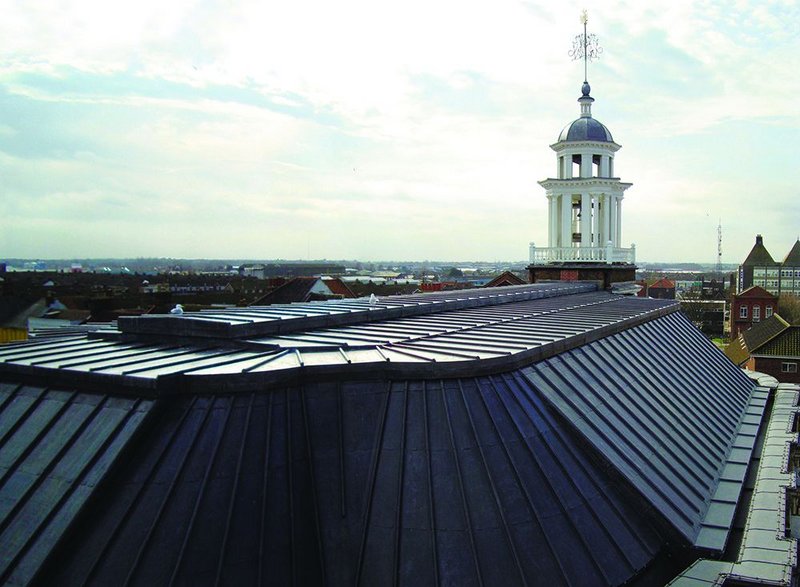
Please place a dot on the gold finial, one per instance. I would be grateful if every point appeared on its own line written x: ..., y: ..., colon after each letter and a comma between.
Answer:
x: 584, y: 17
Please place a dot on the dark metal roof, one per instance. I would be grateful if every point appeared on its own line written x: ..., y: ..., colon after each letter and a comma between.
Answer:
x: 622, y: 437
x: 681, y: 432
x: 55, y: 447
x: 586, y: 128
x: 460, y: 482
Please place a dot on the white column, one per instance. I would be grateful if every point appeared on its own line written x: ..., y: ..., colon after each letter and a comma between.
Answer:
x: 612, y: 232
x: 568, y: 166
x: 586, y: 165
x: 566, y: 220
x: 619, y: 221
x: 551, y: 233
x: 604, y: 165
x: 606, y: 219
x: 611, y: 166
x: 586, y: 220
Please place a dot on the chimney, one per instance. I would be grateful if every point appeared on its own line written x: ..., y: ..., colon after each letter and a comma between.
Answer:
x: 759, y: 240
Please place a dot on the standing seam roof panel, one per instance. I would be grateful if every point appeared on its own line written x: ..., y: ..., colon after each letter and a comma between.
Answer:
x: 689, y: 409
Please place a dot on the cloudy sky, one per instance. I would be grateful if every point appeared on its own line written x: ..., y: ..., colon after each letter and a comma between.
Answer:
x: 371, y: 130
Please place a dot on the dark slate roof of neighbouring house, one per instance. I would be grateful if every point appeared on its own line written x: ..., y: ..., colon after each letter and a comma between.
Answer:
x: 296, y: 289
x: 784, y: 344
x: 759, y: 256
x: 524, y: 435
x: 755, y: 337
x: 762, y: 332
x: 793, y: 256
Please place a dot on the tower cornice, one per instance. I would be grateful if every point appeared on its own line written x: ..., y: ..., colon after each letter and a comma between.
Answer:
x: 585, y: 182
x: 604, y: 145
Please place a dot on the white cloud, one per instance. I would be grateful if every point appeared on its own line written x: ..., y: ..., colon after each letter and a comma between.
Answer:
x: 417, y: 130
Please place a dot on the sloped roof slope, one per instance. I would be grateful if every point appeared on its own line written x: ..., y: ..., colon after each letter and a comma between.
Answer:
x: 296, y: 289
x: 681, y: 438
x: 793, y: 256
x: 755, y: 291
x: 55, y: 447
x: 762, y: 332
x: 785, y: 344
x: 759, y: 255
x: 505, y: 278
x: 339, y: 287
x: 448, y: 481
x: 755, y: 337
x: 664, y: 283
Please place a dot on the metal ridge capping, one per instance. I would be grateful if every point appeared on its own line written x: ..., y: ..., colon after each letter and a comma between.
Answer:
x: 284, y: 318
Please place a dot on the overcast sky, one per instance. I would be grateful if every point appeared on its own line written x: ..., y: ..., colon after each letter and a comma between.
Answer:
x: 387, y: 130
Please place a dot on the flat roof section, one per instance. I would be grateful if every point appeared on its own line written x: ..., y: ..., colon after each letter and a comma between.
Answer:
x: 488, y: 338
x: 283, y: 318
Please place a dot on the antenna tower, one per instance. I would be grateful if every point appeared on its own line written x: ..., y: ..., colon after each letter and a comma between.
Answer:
x: 719, y: 246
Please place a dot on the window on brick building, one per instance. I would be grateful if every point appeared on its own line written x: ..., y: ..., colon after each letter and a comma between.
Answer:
x: 768, y: 312
x: 742, y: 311
x: 756, y: 313
x: 787, y: 367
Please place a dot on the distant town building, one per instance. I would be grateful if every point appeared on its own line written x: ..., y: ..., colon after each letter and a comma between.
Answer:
x: 663, y: 289
x: 750, y: 307
x: 759, y: 268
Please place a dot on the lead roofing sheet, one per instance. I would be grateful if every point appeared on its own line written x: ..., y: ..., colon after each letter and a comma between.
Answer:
x: 680, y: 430
x: 457, y: 482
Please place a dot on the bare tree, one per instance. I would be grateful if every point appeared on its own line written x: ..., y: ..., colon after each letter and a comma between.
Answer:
x: 789, y: 308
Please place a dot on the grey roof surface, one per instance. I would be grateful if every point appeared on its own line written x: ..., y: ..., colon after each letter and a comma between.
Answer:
x: 683, y: 440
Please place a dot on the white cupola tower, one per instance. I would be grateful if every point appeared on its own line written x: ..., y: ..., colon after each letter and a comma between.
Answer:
x: 584, y: 200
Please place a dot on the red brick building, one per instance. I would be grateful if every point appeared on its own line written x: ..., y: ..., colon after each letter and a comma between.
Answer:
x: 750, y: 307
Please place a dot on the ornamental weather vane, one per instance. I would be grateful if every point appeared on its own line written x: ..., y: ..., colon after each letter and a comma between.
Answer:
x: 585, y: 46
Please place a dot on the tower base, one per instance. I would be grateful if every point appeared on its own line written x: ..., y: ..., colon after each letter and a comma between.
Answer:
x: 602, y: 273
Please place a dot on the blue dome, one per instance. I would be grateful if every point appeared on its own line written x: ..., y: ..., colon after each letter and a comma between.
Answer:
x: 586, y: 128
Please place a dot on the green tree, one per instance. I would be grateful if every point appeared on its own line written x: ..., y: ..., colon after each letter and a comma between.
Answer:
x: 455, y: 272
